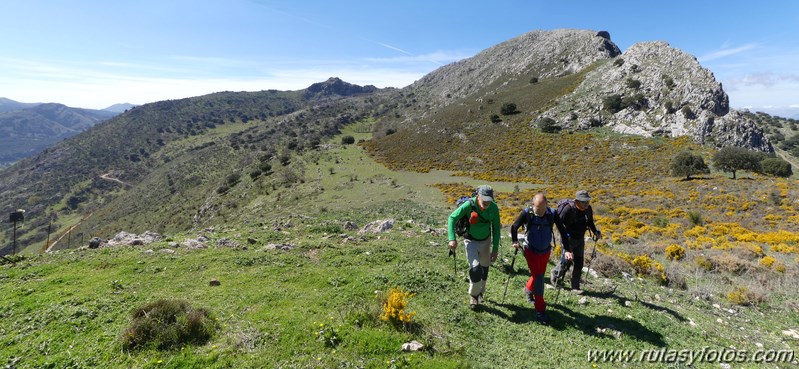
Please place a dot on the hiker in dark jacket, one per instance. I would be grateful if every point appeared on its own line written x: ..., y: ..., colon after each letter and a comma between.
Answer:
x: 538, y: 221
x: 578, y: 216
x: 481, y: 241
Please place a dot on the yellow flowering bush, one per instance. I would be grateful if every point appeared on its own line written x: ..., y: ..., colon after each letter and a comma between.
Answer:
x: 784, y: 249
x: 739, y: 296
x: 642, y: 264
x: 767, y: 261
x: 675, y: 252
x: 394, y: 307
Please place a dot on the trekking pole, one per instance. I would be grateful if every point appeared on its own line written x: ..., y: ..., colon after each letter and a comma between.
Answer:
x: 454, y: 263
x: 562, y: 269
x: 510, y: 273
x: 593, y: 254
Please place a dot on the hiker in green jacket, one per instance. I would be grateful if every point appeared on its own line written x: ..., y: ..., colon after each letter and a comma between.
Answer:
x: 481, y: 240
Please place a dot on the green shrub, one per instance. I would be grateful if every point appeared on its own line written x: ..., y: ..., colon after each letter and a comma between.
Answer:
x: 695, y: 217
x: 508, y: 109
x: 776, y: 167
x: 633, y: 83
x: 668, y: 81
x: 166, y: 324
x: 618, y: 62
x: 687, y: 164
x: 495, y: 118
x: 613, y: 103
x: 534, y: 80
x: 347, y: 140
x: 687, y: 112
x: 548, y: 125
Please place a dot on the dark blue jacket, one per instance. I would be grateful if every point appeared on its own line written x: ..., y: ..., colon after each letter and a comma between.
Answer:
x: 539, y: 229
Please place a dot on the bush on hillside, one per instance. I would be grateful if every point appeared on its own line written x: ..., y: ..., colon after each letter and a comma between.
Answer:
x: 687, y: 164
x: 495, y: 118
x: 613, y: 103
x: 776, y: 167
x: 618, y: 62
x: 166, y: 324
x: 548, y: 125
x: 534, y: 80
x: 732, y: 159
x: 633, y: 83
x: 687, y: 112
x: 347, y: 140
x: 508, y: 109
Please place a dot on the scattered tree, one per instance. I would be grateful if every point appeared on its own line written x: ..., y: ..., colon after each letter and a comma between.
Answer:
x: 347, y: 140
x: 732, y: 159
x: 687, y: 164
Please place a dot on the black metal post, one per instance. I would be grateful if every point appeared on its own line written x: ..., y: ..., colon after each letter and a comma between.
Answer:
x: 15, y: 237
x: 48, y: 235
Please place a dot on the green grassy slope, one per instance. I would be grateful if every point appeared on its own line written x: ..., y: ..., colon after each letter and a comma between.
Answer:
x: 69, y: 308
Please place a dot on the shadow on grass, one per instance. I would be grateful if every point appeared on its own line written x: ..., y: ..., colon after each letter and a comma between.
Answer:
x: 562, y: 318
x: 621, y: 300
x: 604, y: 326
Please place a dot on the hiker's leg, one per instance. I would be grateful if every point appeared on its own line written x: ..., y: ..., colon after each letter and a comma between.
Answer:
x: 579, y: 259
x: 477, y: 255
x: 485, y: 262
x: 538, y: 268
x: 528, y: 256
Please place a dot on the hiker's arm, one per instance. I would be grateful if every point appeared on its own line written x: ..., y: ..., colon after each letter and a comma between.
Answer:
x: 591, y: 225
x: 453, y: 217
x: 514, y: 228
x: 561, y: 218
x: 564, y: 235
x: 496, y: 228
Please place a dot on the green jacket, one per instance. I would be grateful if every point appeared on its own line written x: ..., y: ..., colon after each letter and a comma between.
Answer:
x: 487, y: 222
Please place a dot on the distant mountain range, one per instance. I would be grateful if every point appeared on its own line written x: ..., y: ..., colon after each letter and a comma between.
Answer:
x: 27, y: 128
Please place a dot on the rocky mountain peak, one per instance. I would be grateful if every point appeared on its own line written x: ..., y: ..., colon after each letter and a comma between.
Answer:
x: 540, y: 54
x: 336, y: 87
x: 653, y: 89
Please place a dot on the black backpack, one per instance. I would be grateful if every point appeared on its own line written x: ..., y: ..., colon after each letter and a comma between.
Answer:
x: 462, y: 224
x: 562, y: 204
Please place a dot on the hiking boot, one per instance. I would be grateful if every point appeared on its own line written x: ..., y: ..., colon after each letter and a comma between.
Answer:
x: 553, y: 278
x: 577, y: 291
x: 530, y: 296
x: 473, y: 302
x: 542, y: 317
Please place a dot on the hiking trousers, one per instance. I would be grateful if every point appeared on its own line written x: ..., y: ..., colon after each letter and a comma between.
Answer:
x: 478, y: 254
x: 537, y: 263
x: 578, y: 249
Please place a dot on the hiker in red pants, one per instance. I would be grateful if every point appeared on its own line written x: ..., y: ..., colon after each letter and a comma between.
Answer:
x: 538, y: 221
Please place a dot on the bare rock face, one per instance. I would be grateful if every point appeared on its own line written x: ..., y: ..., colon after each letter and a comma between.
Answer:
x: 663, y: 92
x: 378, y: 226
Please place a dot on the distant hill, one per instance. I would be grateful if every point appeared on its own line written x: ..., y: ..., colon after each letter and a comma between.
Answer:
x: 119, y: 108
x: 34, y: 127
x: 9, y: 105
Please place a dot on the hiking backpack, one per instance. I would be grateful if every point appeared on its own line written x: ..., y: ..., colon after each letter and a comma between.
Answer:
x: 562, y: 204
x: 462, y: 224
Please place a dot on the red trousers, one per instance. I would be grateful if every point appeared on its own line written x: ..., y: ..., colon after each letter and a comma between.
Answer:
x: 537, y: 263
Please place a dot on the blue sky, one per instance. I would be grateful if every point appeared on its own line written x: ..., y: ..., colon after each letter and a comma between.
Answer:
x: 93, y: 54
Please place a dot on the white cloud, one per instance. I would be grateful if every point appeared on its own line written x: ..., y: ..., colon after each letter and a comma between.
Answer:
x: 725, y: 52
